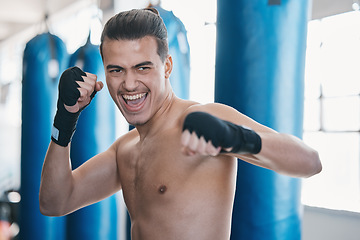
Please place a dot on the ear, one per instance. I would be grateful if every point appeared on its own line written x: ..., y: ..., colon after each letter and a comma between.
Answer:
x: 168, y: 66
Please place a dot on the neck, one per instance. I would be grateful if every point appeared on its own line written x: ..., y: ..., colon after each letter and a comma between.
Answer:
x: 159, y: 120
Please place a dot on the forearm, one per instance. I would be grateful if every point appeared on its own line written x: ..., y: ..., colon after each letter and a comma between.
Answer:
x: 56, y: 180
x: 286, y: 154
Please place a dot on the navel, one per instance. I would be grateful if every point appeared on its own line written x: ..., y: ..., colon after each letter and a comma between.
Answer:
x: 162, y: 189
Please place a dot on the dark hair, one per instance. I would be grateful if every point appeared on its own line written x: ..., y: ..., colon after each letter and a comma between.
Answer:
x: 136, y: 24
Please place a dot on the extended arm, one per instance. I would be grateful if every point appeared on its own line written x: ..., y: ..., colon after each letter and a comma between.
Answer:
x: 224, y: 134
x: 285, y: 154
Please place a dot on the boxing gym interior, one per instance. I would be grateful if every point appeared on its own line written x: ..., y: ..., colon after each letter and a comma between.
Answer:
x: 290, y: 65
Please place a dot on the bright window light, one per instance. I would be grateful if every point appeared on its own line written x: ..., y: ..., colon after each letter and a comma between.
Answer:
x: 199, y: 18
x: 332, y: 111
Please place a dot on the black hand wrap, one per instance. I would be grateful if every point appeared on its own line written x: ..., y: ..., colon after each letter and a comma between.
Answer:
x: 65, y: 122
x: 223, y: 133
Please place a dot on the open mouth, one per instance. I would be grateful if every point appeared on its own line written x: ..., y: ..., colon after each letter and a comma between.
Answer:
x: 134, y: 100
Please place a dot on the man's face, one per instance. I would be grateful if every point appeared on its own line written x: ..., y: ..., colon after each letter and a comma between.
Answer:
x: 136, y: 77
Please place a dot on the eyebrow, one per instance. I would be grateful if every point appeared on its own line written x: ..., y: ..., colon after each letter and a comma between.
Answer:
x: 113, y: 66
x: 143, y: 64
x: 136, y: 66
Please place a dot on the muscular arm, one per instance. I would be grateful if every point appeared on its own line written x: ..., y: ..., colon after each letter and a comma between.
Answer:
x: 282, y: 153
x: 56, y: 180
x: 285, y: 154
x: 63, y: 191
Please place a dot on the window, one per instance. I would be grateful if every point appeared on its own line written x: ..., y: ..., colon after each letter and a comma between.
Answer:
x: 332, y: 111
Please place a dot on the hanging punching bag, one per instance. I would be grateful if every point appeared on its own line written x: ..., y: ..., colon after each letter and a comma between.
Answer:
x: 260, y: 71
x: 45, y: 57
x: 180, y: 52
x: 94, y: 134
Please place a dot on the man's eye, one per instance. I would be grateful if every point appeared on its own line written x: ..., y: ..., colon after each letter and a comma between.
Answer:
x: 115, y: 70
x: 141, y: 69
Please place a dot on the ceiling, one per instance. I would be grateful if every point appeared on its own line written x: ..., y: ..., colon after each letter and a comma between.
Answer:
x: 17, y: 15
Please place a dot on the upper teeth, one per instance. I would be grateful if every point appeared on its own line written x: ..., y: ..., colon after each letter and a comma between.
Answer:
x: 133, y: 97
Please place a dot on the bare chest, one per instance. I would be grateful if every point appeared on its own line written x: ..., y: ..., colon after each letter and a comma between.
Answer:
x: 154, y: 169
x: 158, y: 179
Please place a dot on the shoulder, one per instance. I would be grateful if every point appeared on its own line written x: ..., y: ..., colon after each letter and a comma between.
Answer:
x: 226, y: 113
x: 217, y: 109
x: 209, y: 107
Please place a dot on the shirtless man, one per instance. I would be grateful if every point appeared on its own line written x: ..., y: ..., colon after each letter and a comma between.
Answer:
x: 177, y: 169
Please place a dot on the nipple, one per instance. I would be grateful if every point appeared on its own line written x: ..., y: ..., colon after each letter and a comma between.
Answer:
x: 162, y: 189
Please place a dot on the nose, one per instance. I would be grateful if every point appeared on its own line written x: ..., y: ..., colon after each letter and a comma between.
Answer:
x: 130, y: 82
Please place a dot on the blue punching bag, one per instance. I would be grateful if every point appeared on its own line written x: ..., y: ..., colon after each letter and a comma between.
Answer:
x: 45, y: 57
x: 94, y: 134
x: 180, y: 51
x: 260, y: 71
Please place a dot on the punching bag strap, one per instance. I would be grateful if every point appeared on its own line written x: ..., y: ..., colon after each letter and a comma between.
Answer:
x: 53, y: 67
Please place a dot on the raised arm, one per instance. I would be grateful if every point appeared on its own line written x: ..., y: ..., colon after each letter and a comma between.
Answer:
x: 227, y: 131
x: 61, y: 189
